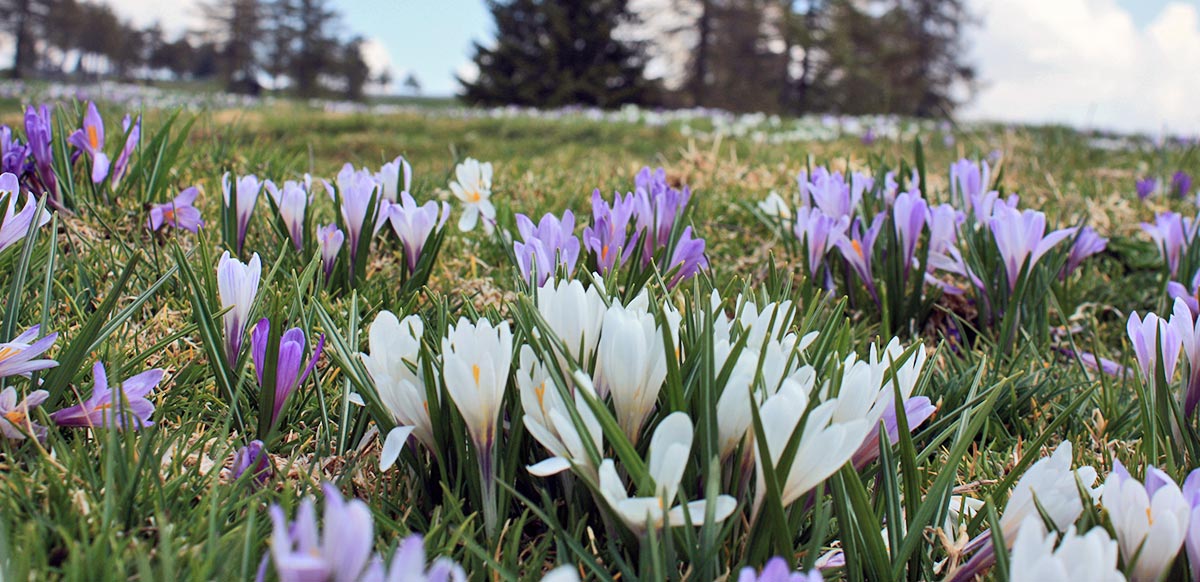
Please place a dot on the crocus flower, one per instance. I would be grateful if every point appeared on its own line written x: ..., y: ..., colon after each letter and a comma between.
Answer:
x: 1148, y: 336
x: 1090, y: 557
x: 133, y: 135
x: 12, y: 152
x: 242, y: 196
x: 631, y: 365
x: 16, y: 223
x: 1150, y: 520
x: 237, y: 285
x: 329, y: 242
x: 917, y: 410
x: 1145, y: 187
x: 859, y: 248
x: 473, y: 187
x: 1021, y: 237
x: 15, y: 424
x: 121, y: 406
x: 1181, y: 182
x: 358, y: 191
x: 969, y: 180
x: 831, y: 194
x: 607, y: 238
x: 687, y: 258
x: 1188, y: 331
x: 908, y: 215
x: 546, y: 247
x: 1191, y: 494
x: 1171, y: 233
x: 1087, y: 243
x: 408, y: 565
x: 819, y: 233
x: 300, y: 553
x: 255, y: 459
x: 670, y: 449
x: 19, y: 357
x: 178, y: 213
x: 868, y: 136
x: 1097, y: 364
x: 389, y: 176
x: 576, y: 316
x: 413, y: 224
x: 774, y: 206
x: 90, y: 140
x: 288, y: 375
x: 395, y: 353
x: 548, y: 420
x: 292, y: 201
x: 38, y: 130
x: 657, y: 206
x: 777, y: 570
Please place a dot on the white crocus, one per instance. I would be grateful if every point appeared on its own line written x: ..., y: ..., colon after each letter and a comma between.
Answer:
x: 1090, y: 557
x: 1151, y: 520
x: 774, y: 206
x: 776, y: 359
x: 1052, y: 483
x: 291, y: 201
x: 473, y: 188
x: 237, y: 286
x: 670, y: 450
x: 394, y: 367
x: 389, y: 178
x: 548, y: 420
x: 575, y: 315
x: 630, y: 365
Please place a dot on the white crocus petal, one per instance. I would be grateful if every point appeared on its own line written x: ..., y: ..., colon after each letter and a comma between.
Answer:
x: 724, y: 507
x: 1079, y: 558
x: 575, y: 315
x: 476, y: 359
x: 548, y: 467
x: 394, y: 353
x: 562, y: 574
x: 356, y: 399
x: 1152, y: 528
x: 630, y: 366
x: 669, y: 450
x: 393, y: 445
x: 1053, y: 483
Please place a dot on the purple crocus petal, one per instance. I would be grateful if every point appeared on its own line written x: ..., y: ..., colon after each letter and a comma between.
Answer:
x: 414, y: 224
x: 142, y: 384
x: 349, y: 535
x: 1181, y: 182
x: 1145, y: 187
x: 917, y: 410
x: 19, y: 357
x: 131, y: 141
x: 106, y: 408
x: 1156, y: 478
x: 408, y: 563
x: 357, y: 190
x: 38, y: 130
x: 329, y: 241
x: 688, y: 258
x: 1087, y: 243
x: 546, y: 246
x: 607, y: 238
x: 909, y: 211
x: 255, y: 459
x: 259, y: 339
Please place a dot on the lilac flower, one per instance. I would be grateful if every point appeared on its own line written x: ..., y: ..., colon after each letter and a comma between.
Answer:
x: 133, y: 136
x: 1097, y: 364
x: 178, y: 213
x: 777, y: 570
x: 15, y: 424
x: 859, y: 248
x: 1185, y: 325
x: 237, y: 285
x: 242, y: 196
x: 943, y: 221
x: 408, y: 565
x: 687, y: 259
x: 831, y: 194
x: 329, y: 242
x: 546, y: 247
x: 657, y: 206
x: 1181, y: 183
x: 1145, y: 187
x: 917, y: 410
x: 12, y: 152
x: 607, y: 238
x: 19, y: 356
x: 1020, y: 237
x: 413, y: 224
x: 868, y: 137
x: 1191, y: 297
x: 90, y: 140
x: 38, y: 130
x: 1147, y: 336
x: 969, y: 181
x: 113, y: 408
x: 254, y: 458
x: 1087, y: 243
x: 357, y: 190
x: 16, y: 224
x: 819, y: 232
x: 288, y: 375
x: 1171, y: 233
x: 389, y: 177
x: 301, y: 554
x: 291, y: 201
x: 908, y: 215
x: 1191, y: 543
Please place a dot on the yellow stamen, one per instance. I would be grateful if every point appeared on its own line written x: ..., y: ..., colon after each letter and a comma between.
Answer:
x: 857, y: 247
x: 1149, y: 518
x: 603, y: 252
x: 541, y: 395
x: 474, y: 196
x: 93, y: 136
x: 7, y: 352
x: 475, y: 372
x: 17, y: 417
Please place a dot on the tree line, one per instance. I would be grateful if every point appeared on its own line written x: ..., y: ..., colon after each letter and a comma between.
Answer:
x: 297, y: 46
x: 795, y: 56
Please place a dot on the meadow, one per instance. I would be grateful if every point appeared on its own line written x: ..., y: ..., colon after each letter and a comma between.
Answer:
x: 834, y: 348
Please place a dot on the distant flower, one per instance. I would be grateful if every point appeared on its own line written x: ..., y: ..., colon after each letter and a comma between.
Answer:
x: 1172, y: 234
x: 389, y: 177
x: 131, y: 142
x: 1021, y: 239
x: 1090, y: 557
x: 255, y: 459
x: 408, y: 565
x: 473, y: 187
x: 39, y: 131
x: 242, y: 195
x: 90, y: 140
x: 1150, y: 520
x: 1087, y: 243
x: 237, y: 285
x: 329, y: 242
x: 395, y: 348
x: 777, y: 570
x: 16, y: 223
x: 19, y: 357
x: 123, y: 405
x: 300, y: 552
x: 15, y: 423
x: 291, y: 201
x: 178, y: 213
x: 1145, y: 187
x: 868, y: 136
x: 687, y: 259
x: 545, y: 247
x: 774, y: 206
x: 607, y: 238
x: 1181, y: 183
x: 12, y: 152
x: 290, y: 362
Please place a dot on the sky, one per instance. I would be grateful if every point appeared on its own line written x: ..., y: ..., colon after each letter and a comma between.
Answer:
x: 1130, y: 65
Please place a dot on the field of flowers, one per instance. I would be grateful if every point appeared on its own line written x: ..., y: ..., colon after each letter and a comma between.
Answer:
x: 315, y: 342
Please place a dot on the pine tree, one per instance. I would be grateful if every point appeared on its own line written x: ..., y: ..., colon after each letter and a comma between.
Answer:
x: 553, y: 53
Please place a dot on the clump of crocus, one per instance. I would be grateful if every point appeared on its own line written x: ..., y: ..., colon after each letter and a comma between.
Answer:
x: 657, y: 207
x: 473, y: 187
x: 122, y: 405
x: 237, y: 285
x: 19, y: 357
x: 288, y: 365
x: 1145, y: 187
x: 39, y: 132
x: 240, y: 197
x: 17, y: 222
x: 178, y: 213
x: 546, y: 247
x: 608, y: 238
x: 15, y: 423
x: 1181, y: 183
x: 90, y: 141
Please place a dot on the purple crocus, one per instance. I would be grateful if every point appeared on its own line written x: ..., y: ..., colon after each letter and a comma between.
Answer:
x: 300, y: 553
x: 12, y: 152
x: 413, y: 224
x: 178, y: 213
x: 657, y: 206
x: 909, y: 215
x: 818, y: 231
x: 38, y: 130
x: 545, y: 247
x: 607, y: 238
x: 19, y: 357
x: 687, y: 259
x: 1097, y: 364
x: 90, y: 140
x: 1185, y: 325
x: 1191, y: 543
x: 357, y: 190
x: 869, y: 137
x: 1171, y: 233
x: 777, y: 570
x: 389, y: 177
x: 1087, y: 243
x: 288, y: 374
x: 16, y: 223
x: 943, y: 221
x: 291, y: 201
x: 122, y: 406
x: 1191, y: 297
x: 329, y: 242
x: 1145, y: 187
x: 408, y: 564
x: 917, y: 410
x: 1021, y: 238
x: 830, y: 192
x: 242, y: 196
x: 15, y: 424
x: 255, y: 459
x: 858, y: 249
x: 132, y: 137
x: 1181, y: 183
x: 1148, y: 336
x: 969, y: 181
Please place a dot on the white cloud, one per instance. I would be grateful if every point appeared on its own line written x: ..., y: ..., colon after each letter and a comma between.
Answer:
x: 175, y: 17
x: 1086, y: 63
x: 375, y: 54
